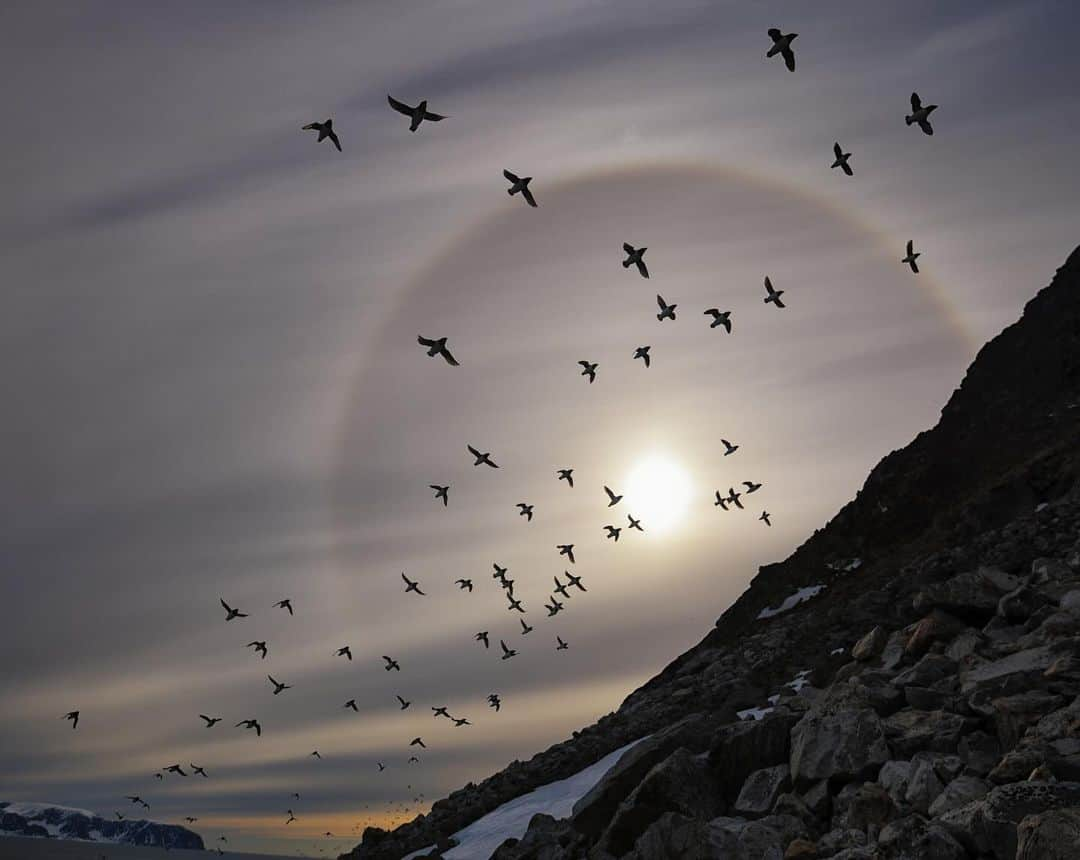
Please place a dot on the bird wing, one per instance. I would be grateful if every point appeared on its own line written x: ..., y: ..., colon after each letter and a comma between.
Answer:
x: 846, y: 168
x: 774, y: 34
x: 626, y: 246
x: 433, y: 117
x: 527, y: 194
x: 473, y: 451
x: 837, y: 151
x: 660, y: 301
x: 926, y: 127
x: 769, y: 286
x: 779, y: 303
x: 510, y: 177
x: 400, y: 107
x: 453, y: 362
x: 916, y: 102
x: 789, y: 58
x: 910, y: 246
x: 226, y: 605
x: 334, y: 138
x: 311, y: 126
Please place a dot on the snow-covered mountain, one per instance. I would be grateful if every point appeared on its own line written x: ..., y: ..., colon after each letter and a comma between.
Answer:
x: 47, y: 820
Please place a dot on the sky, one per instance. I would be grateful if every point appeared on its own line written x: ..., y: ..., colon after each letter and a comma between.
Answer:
x: 214, y: 389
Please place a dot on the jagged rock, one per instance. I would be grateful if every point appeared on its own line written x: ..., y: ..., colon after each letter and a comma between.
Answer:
x: 923, y: 786
x: 847, y: 745
x: 865, y: 691
x: 764, y: 839
x: 1013, y: 714
x: 545, y: 839
x: 801, y: 849
x: 761, y: 789
x: 681, y: 783
x: 929, y: 670
x: 593, y: 811
x: 870, y: 807
x: 793, y: 806
x: 965, y: 646
x: 895, y: 649
x: 961, y: 790
x: 818, y: 800
x: 739, y: 749
x: 673, y: 837
x: 1050, y: 570
x: 1020, y: 604
x: 839, y: 840
x: 979, y: 752
x: 938, y: 626
x: 1053, y: 835
x: 911, y: 731
x: 972, y: 594
x: 871, y: 645
x: 988, y: 826
x: 1012, y: 673
x: 915, y: 838
x: 893, y: 777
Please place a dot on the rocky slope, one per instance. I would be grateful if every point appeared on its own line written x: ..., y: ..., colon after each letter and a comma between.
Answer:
x: 60, y: 822
x: 916, y: 695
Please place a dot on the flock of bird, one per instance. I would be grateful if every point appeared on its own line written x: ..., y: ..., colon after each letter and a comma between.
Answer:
x: 437, y: 347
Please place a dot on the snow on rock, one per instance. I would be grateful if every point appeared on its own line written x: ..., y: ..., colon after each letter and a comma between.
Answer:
x: 799, y: 681
x: 47, y: 820
x: 509, y: 821
x: 793, y: 600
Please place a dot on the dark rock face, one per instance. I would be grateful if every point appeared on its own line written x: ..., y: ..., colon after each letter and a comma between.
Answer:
x: 73, y: 824
x: 951, y: 731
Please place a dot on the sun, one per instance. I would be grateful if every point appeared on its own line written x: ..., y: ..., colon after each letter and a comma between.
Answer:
x: 658, y: 493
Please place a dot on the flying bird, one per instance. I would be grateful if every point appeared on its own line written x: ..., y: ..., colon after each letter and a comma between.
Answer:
x: 120, y: 815
x: 667, y: 312
x: 912, y: 256
x: 175, y: 768
x: 159, y: 775
x: 482, y: 636
x: 588, y: 368
x: 728, y: 447
x: 635, y: 524
x: 279, y: 688
x: 411, y: 585
x: 441, y: 712
x: 190, y: 819
x: 841, y: 159
x: 284, y: 604
x: 351, y: 704
x: 525, y: 628
x: 782, y: 45
x: 291, y: 817
x: 260, y: 648
x: 719, y: 318
x: 525, y: 510
x: 416, y: 114
x: 635, y: 257
x: 494, y: 701
x: 482, y: 459
x: 382, y: 766
x: 391, y: 664
x: 325, y: 130
x: 554, y: 608
x: 566, y: 475
x: 733, y: 498
x: 251, y: 724
x: 417, y: 742
x: 344, y: 651
x: 404, y: 704
x: 562, y: 646
x: 464, y: 585
x: 437, y: 347
x: 413, y: 760
x: 773, y: 295
x: 613, y: 532
x: 200, y: 771
x: 765, y: 518
x: 461, y: 721
x: 567, y: 549
x: 507, y: 652
x: 515, y: 605
x: 642, y: 352
x: 613, y: 499
x: 574, y: 581
x: 315, y: 754
x: 441, y: 493
x: 560, y: 589
x: 134, y: 798
x: 74, y: 717
x: 232, y: 613
x: 210, y: 721
x: 520, y: 183
x: 920, y: 114
x: 720, y: 502
x: 751, y: 487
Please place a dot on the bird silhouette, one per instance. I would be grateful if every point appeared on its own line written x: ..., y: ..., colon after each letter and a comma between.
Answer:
x: 284, y: 604
x: 402, y: 702
x: 554, y: 608
x: 279, y: 688
x: 642, y: 352
x: 514, y: 605
x: 482, y: 636
x: 525, y: 510
x: 436, y: 347
x: 920, y: 114
x: 441, y: 712
x: 751, y: 487
x: 175, y: 768
x: 232, y: 613
x: 667, y: 312
x: 635, y: 257
x: 190, y: 819
x: 74, y: 717
x: 461, y: 721
x: 344, y: 651
x: 494, y: 701
x: 719, y: 318
x: 567, y: 475
x: 765, y: 518
x: 441, y: 493
x: 417, y: 114
x: 733, y: 498
x: 773, y: 296
x: 613, y: 532
x: 560, y: 589
x: 291, y: 817
x: 841, y: 159
x: 351, y: 704
x: 720, y: 502
x: 912, y: 256
x: 465, y: 585
x: 519, y: 183
x: 417, y: 742
x: 782, y: 45
x: 382, y: 766
x: 613, y: 499
x: 200, y: 771
x: 413, y: 760
x: 315, y: 754
x: 634, y: 524
x: 574, y: 581
x: 507, y: 652
x: 210, y: 721
x: 561, y: 646
x: 325, y: 130
x: 525, y: 628
x: 260, y: 648
x: 482, y: 459
x: 411, y: 585
x: 588, y: 368
x: 567, y: 549
x: 729, y: 448
x: 251, y: 724
x: 391, y: 664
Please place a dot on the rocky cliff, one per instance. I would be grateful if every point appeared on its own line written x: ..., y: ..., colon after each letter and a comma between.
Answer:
x: 60, y: 822
x: 904, y: 685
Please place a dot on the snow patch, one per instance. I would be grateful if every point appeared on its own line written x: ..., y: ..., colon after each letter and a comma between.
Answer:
x: 793, y: 600
x: 511, y: 820
x: 799, y: 681
x: 754, y: 713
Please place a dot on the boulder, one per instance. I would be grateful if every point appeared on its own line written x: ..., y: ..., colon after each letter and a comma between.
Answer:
x: 979, y: 752
x: 923, y: 787
x: 839, y: 840
x: 761, y: 789
x: 911, y: 731
x: 846, y: 745
x: 801, y: 849
x: 1053, y: 835
x: 738, y: 749
x: 1020, y: 604
x: 871, y: 645
x: 1016, y: 765
x: 1013, y: 673
x: 938, y: 626
x: 915, y: 838
x: 893, y: 777
x: 764, y: 839
x: 672, y: 837
x: 1013, y: 714
x: 972, y: 594
x: 870, y: 807
x: 929, y: 670
x: 959, y: 791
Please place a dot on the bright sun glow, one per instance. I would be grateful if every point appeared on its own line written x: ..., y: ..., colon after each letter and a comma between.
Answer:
x: 658, y: 493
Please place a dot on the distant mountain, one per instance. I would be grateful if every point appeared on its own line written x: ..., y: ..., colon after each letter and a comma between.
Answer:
x: 61, y: 822
x: 906, y: 684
